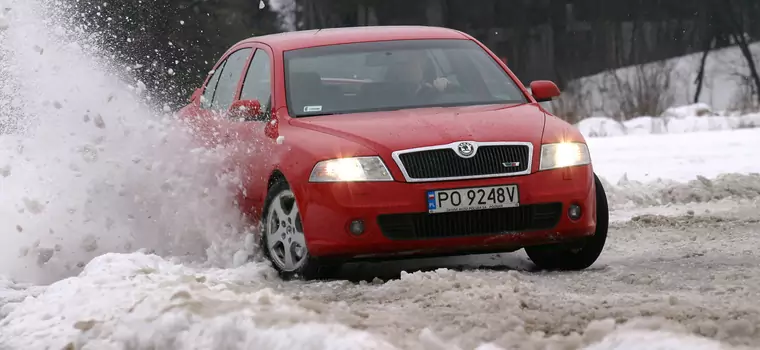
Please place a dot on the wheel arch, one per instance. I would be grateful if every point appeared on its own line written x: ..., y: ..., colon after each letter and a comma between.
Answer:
x: 275, y: 176
x: 293, y: 181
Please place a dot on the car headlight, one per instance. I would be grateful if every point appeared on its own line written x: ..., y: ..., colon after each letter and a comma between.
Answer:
x: 350, y: 170
x: 565, y: 154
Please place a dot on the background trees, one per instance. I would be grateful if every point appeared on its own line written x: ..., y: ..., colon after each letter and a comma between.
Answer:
x: 559, y: 40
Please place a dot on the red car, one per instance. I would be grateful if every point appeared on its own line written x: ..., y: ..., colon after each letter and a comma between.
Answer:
x: 393, y: 141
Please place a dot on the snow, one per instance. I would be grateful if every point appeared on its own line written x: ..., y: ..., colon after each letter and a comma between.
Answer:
x: 676, y: 120
x: 654, y: 341
x: 118, y: 234
x: 600, y: 127
x: 4, y: 23
x: 723, y: 104
x: 142, y: 301
x: 697, y: 109
x: 93, y: 168
x: 678, y: 157
x: 287, y: 12
x: 636, y: 126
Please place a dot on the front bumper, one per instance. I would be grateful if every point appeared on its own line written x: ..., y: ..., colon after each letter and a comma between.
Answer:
x: 400, y: 208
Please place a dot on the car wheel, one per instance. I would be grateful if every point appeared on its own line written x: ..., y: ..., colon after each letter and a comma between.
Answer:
x: 576, y: 255
x: 283, y: 237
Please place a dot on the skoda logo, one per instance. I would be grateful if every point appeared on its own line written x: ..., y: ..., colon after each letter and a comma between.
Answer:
x: 465, y: 149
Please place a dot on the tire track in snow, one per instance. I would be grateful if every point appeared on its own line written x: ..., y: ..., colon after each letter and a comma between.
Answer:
x: 695, y: 274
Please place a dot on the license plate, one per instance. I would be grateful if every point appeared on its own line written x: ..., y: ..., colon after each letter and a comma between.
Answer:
x: 476, y: 198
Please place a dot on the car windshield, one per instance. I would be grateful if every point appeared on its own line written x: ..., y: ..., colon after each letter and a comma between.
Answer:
x: 392, y: 75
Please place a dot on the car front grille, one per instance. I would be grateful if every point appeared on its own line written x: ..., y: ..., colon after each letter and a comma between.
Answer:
x: 418, y: 226
x: 445, y: 163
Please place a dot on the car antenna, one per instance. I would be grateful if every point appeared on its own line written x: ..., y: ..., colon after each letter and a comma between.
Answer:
x: 315, y: 33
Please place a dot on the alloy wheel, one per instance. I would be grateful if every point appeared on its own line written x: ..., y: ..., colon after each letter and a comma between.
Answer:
x: 286, y: 241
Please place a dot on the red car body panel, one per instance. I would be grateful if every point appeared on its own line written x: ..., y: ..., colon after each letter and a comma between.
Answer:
x: 337, y: 36
x: 328, y: 208
x: 332, y: 206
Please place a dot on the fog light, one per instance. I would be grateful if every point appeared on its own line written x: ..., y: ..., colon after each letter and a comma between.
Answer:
x: 574, y: 212
x: 356, y: 227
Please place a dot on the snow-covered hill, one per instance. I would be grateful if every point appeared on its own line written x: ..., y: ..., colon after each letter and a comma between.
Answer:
x: 724, y: 86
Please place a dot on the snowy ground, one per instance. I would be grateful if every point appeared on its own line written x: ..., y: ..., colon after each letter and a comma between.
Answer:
x: 103, y: 175
x: 686, y: 269
x: 663, y: 282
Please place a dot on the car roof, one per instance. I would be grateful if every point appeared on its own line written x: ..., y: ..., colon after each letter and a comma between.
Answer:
x: 346, y: 35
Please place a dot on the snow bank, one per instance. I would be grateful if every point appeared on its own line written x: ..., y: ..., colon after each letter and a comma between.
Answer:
x: 655, y: 340
x: 642, y: 170
x: 601, y: 127
x: 654, y: 170
x: 12, y: 292
x: 677, y: 120
x: 641, y: 126
x: 628, y: 194
x: 142, y: 301
x: 676, y: 157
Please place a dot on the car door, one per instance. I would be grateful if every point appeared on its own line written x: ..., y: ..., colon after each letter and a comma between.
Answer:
x: 226, y: 92
x: 197, y: 114
x: 208, y: 113
x: 253, y: 146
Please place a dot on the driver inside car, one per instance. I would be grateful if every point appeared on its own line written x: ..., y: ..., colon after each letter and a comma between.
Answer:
x: 412, y: 70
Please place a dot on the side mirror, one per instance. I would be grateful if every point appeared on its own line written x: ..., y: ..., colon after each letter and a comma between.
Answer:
x: 196, y: 94
x: 544, y: 90
x: 246, y: 110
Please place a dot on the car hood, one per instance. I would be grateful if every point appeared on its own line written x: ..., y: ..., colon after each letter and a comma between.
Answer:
x: 402, y: 129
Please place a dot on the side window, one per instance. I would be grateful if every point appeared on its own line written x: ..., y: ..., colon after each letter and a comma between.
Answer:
x: 258, y: 81
x: 208, y: 94
x: 231, y: 74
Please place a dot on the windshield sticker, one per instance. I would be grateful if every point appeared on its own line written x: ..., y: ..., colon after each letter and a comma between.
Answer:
x: 312, y: 109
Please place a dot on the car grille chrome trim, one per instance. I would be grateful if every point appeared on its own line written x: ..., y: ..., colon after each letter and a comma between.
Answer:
x: 447, y: 163
x: 421, y: 226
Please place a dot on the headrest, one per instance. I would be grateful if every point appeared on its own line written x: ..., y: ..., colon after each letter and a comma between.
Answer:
x: 310, y: 79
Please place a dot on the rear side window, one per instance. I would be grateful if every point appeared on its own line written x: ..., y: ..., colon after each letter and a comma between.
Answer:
x: 208, y: 94
x: 229, y: 79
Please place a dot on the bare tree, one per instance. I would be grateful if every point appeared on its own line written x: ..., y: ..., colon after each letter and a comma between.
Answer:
x: 708, y: 36
x: 734, y: 21
x: 574, y: 104
x: 641, y: 90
